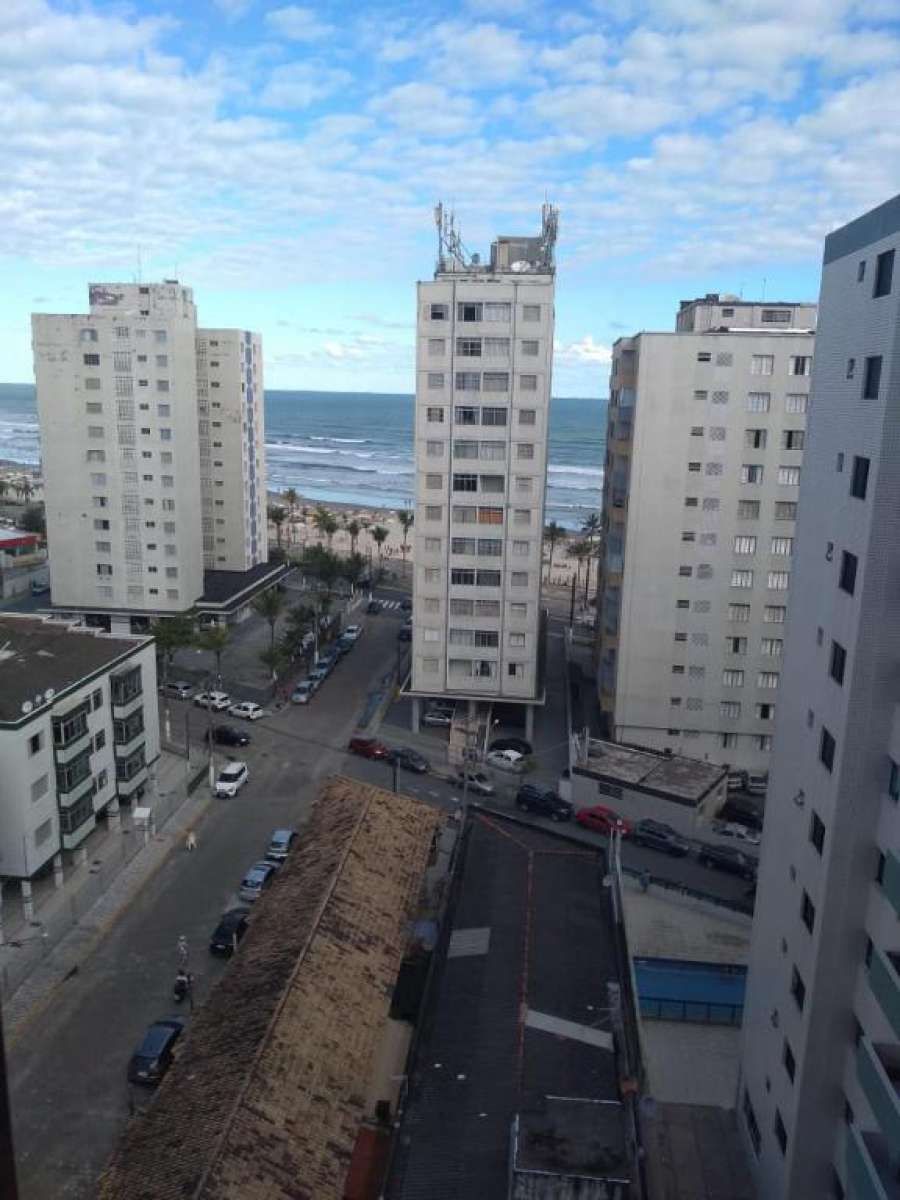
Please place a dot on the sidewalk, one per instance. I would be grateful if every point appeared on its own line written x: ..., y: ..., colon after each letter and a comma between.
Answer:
x: 69, y: 921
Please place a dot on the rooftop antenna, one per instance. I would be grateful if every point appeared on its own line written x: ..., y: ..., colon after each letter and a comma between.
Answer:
x: 764, y: 287
x: 452, y: 254
x: 549, y: 232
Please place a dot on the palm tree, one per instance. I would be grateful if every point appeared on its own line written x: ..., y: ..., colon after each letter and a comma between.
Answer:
x: 4, y: 487
x: 277, y: 514
x: 269, y: 605
x: 171, y: 634
x: 591, y: 526
x: 215, y: 639
x: 325, y: 523
x: 580, y: 551
x: 553, y: 533
x: 379, y: 537
x: 300, y: 620
x: 406, y: 518
x: 274, y: 658
x: 27, y: 488
x: 354, y: 529
x: 291, y: 498
x: 18, y: 488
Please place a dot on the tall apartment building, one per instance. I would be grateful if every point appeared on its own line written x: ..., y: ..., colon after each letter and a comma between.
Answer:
x: 820, y: 1092
x: 152, y: 451
x: 705, y: 439
x: 483, y: 380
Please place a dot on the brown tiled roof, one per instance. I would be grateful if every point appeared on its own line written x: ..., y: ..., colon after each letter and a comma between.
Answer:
x: 267, y: 1095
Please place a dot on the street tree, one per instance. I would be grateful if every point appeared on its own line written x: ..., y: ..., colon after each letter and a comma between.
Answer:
x: 379, y: 536
x: 553, y: 533
x: 270, y: 605
x: 291, y: 499
x: 277, y: 514
x: 326, y: 523
x: 171, y: 635
x: 214, y: 639
x: 354, y: 528
x: 406, y: 517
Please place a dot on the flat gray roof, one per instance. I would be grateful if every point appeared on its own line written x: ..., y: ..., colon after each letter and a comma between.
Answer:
x: 873, y: 226
x: 37, y: 654
x: 688, y: 778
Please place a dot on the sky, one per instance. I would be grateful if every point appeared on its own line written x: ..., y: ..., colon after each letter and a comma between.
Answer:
x: 284, y: 160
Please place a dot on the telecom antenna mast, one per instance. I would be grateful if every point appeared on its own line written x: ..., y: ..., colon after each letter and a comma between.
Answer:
x: 452, y: 254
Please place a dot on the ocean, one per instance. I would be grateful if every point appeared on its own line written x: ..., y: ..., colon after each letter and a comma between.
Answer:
x: 356, y: 447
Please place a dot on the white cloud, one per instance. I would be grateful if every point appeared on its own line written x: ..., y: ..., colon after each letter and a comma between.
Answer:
x: 298, y: 24
x: 427, y: 110
x: 301, y: 84
x: 478, y: 56
x: 585, y: 350
x: 233, y: 8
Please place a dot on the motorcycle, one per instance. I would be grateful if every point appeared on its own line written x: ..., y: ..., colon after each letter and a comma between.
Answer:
x: 182, y: 986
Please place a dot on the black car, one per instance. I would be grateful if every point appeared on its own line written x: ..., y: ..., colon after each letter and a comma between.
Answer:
x: 726, y: 858
x: 229, y: 931
x: 405, y: 635
x: 741, y: 812
x: 374, y: 606
x: 658, y: 836
x: 411, y: 760
x: 512, y: 743
x: 227, y: 735
x: 153, y: 1056
x: 406, y: 605
x: 545, y: 803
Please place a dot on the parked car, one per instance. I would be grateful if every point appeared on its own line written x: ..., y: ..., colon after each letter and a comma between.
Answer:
x: 405, y: 634
x: 317, y: 676
x: 255, y: 882
x: 438, y: 717
x: 281, y: 844
x: 478, y: 782
x: 154, y: 1055
x: 328, y: 660
x: 247, y: 710
x: 656, y: 835
x: 344, y: 645
x: 505, y: 760
x: 229, y: 931
x: 410, y: 760
x: 406, y: 604
x: 512, y: 743
x: 727, y: 858
x: 368, y: 748
x: 303, y: 692
x: 743, y: 811
x: 602, y: 820
x: 232, y: 778
x: 543, y: 802
x: 353, y: 633
x: 373, y: 607
x: 180, y: 689
x: 217, y: 701
x: 732, y: 829
x: 227, y: 735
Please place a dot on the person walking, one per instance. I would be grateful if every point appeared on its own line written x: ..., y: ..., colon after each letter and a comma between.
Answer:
x: 182, y: 950
x: 191, y: 841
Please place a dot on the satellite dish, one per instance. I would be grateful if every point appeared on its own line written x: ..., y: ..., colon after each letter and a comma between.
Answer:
x: 49, y: 694
x: 27, y: 706
x: 39, y: 699
x: 520, y: 266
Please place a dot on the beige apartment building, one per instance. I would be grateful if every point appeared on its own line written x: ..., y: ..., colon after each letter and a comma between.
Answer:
x: 153, y: 454
x: 705, y: 441
x: 484, y: 353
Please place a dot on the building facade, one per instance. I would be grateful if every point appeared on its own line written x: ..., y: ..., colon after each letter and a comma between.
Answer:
x: 79, y: 732
x: 138, y: 465
x: 820, y: 1094
x: 23, y: 563
x: 705, y: 441
x: 483, y: 382
x: 232, y: 449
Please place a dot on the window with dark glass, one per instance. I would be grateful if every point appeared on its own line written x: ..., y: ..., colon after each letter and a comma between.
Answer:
x: 790, y: 1064
x: 859, y: 481
x: 838, y: 662
x: 847, y: 581
x: 827, y: 747
x: 872, y: 378
x: 780, y: 1132
x: 807, y: 912
x: 798, y: 988
x: 817, y: 831
x: 884, y: 274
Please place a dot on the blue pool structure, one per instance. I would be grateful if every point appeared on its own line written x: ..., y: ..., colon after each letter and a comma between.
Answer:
x: 670, y: 989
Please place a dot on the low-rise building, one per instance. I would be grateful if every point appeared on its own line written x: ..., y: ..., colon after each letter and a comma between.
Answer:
x: 79, y: 730
x: 640, y: 784
x: 23, y: 563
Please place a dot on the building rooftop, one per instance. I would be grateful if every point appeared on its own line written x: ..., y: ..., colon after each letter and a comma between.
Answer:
x: 17, y: 537
x: 266, y: 1097
x: 39, y: 656
x: 227, y: 589
x: 516, y: 1070
x: 662, y: 774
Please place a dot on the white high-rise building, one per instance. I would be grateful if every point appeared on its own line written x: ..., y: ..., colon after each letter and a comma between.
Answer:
x: 704, y: 452
x: 483, y: 381
x: 820, y: 1087
x: 153, y: 457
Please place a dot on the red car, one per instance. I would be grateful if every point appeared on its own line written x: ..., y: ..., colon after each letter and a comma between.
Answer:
x: 368, y: 747
x: 602, y: 820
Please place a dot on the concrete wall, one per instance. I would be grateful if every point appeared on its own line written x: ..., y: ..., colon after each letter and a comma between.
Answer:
x: 635, y: 805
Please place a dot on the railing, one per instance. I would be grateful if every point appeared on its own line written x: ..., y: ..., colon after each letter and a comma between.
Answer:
x: 735, y: 905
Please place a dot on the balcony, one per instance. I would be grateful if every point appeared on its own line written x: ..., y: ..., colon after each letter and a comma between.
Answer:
x: 75, y: 746
x: 127, y: 787
x: 890, y: 882
x: 75, y: 792
x: 878, y: 1068
x: 884, y: 980
x: 870, y: 1175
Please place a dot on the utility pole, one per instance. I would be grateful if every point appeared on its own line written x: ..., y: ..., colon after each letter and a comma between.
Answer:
x: 209, y: 737
x: 572, y: 604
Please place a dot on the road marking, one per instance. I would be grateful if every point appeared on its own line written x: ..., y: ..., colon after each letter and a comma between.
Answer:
x: 569, y: 1029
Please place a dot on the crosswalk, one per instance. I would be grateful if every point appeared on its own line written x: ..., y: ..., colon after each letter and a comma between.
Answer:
x: 388, y: 604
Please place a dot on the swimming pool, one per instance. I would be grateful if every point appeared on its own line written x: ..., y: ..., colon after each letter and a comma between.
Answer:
x: 670, y: 989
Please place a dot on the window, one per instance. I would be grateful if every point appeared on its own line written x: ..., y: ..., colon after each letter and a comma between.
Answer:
x: 517, y: 640
x: 435, y: 415
x: 872, y: 378
x: 789, y: 476
x: 496, y: 347
x: 688, y: 535
x: 88, y: 335
x: 817, y: 831
x: 782, y: 546
x: 736, y: 645
x: 91, y: 360
x: 762, y: 364
x: 468, y: 381
x: 685, y: 571
x: 495, y: 381
x: 493, y: 416
x: 730, y: 710
x: 433, y: 512
x: 518, y: 609
x: 436, y: 347
x: 519, y: 579
x: 759, y: 402
x: 677, y: 669
x: 751, y: 473
x: 796, y: 403
x: 827, y: 747
x: 498, y: 311
x: 785, y: 510
x: 438, y: 312
x: 714, y: 468
x: 435, y: 380
x: 799, y: 364
x: 798, y: 989
x: 732, y: 679
x: 771, y: 647
x: 744, y: 545
x: 859, y: 481
x: 104, y: 569
x: 469, y: 312
x: 432, y: 574
x: 755, y: 439
x: 894, y: 782
x: 527, y: 416
x: 704, y: 356
x: 739, y: 612
x: 162, y: 385
x: 520, y: 549
x: 778, y: 581
x: 742, y: 579
x: 765, y: 712
x: 490, y: 516
x: 690, y: 502
x: 838, y: 662
x: 436, y: 450
x: 793, y: 439
x: 776, y: 316
x: 860, y: 270
x: 432, y: 604
x: 884, y: 274
x: 523, y: 484
x: 750, y: 1120
x: 490, y: 578
x: 459, y: 545
x: 780, y: 1132
x: 530, y: 348
x: 464, y: 415
x: 528, y: 383
x: 468, y: 347
x: 35, y: 743
x: 847, y: 580
x: 525, y: 450
x: 851, y: 368
x: 767, y: 679
x: 748, y: 510
x: 807, y: 912
x: 531, y: 312
x: 433, y: 482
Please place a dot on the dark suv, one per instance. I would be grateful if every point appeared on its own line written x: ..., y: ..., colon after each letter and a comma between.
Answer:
x: 726, y: 858
x: 153, y: 1056
x: 544, y: 803
x: 658, y: 836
